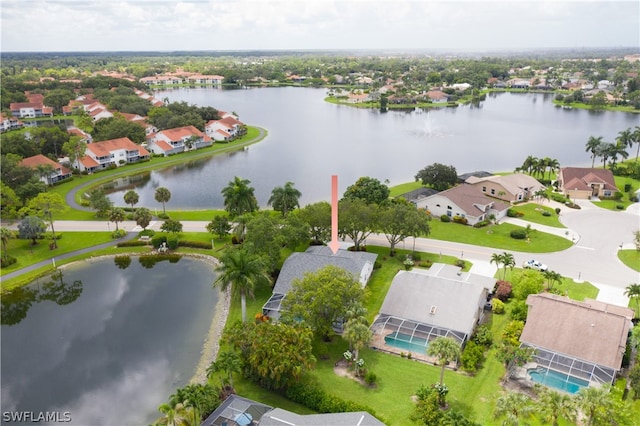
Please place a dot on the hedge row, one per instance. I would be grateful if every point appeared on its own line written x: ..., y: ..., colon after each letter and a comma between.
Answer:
x: 309, y: 394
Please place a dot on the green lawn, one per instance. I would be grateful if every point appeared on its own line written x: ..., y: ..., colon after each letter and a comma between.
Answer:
x: 403, y: 188
x: 533, y: 213
x: 497, y: 236
x: 631, y: 258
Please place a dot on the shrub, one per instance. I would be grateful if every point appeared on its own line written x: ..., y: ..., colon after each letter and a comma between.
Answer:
x: 112, y: 166
x: 194, y: 244
x: 445, y: 218
x: 118, y: 234
x: 481, y: 224
x: 157, y: 240
x: 377, y: 265
x: 633, y: 198
x: 512, y: 213
x: 546, y: 213
x: 472, y: 357
x: 619, y: 207
x: 558, y: 210
x: 503, y: 290
x: 518, y: 234
x: 235, y: 240
x: 627, y: 187
x: 132, y: 243
x: 512, y: 331
x: 416, y: 256
x: 172, y: 242
x: 558, y: 198
x: 163, y: 216
x: 370, y: 378
x: 147, y: 232
x: 460, y: 263
x: 618, y: 196
x: 519, y: 310
x: 461, y: 220
x: 10, y: 260
x: 483, y: 336
x: 497, y: 306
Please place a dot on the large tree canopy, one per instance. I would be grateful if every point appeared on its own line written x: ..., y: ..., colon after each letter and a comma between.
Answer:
x: 371, y: 190
x: 239, y: 197
x: 322, y: 298
x: 438, y: 176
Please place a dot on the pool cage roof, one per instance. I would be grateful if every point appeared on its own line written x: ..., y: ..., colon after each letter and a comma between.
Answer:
x: 572, y: 366
x: 417, y: 333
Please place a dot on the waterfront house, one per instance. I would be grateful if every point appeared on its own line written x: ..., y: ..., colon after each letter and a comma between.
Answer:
x: 585, y: 183
x: 226, y: 129
x: 116, y: 152
x: 511, y: 188
x: 172, y: 141
x: 56, y: 172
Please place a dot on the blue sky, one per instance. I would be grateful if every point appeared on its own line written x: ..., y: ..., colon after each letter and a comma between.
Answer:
x: 160, y: 25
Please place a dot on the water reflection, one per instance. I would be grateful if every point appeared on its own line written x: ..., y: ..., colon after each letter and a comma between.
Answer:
x: 129, y: 341
x: 16, y: 305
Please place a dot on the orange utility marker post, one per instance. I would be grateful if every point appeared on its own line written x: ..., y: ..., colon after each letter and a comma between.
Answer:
x: 334, y: 245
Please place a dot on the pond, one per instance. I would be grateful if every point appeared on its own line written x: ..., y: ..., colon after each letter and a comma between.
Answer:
x: 309, y: 140
x: 104, y: 344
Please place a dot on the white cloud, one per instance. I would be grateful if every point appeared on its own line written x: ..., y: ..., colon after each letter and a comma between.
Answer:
x: 318, y: 24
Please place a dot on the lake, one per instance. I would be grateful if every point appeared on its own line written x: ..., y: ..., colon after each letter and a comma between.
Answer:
x: 105, y: 344
x: 310, y: 140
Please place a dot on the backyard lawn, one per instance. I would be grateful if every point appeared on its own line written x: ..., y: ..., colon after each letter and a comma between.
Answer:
x: 533, y: 212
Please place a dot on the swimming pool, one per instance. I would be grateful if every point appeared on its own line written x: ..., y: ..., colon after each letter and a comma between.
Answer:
x: 557, y: 380
x: 404, y: 341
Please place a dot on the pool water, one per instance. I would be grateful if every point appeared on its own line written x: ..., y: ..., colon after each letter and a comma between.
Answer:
x: 557, y: 380
x: 404, y: 341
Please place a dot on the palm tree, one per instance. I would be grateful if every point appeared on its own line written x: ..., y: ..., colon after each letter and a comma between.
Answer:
x: 5, y: 236
x: 357, y: 333
x: 632, y: 291
x: 285, y: 199
x: 552, y: 164
x: 508, y: 261
x: 239, y: 197
x: 131, y: 197
x: 445, y: 349
x: 595, y: 403
x: 163, y: 195
x: 117, y: 215
x: 243, y: 272
x: 513, y: 407
x: 552, y: 278
x: 625, y: 138
x: 553, y: 405
x: 635, y: 137
x: 615, y: 150
x: 527, y: 165
x: 228, y: 362
x: 592, y: 146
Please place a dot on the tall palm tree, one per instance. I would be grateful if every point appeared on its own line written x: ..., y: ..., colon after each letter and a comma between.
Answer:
x: 552, y: 405
x: 513, y: 406
x: 552, y: 164
x: 632, y: 291
x: 117, y: 215
x: 508, y: 261
x: 527, y: 165
x: 445, y: 349
x: 239, y: 197
x: 615, y: 150
x: 285, y: 198
x: 592, y: 146
x: 497, y: 259
x: 635, y: 137
x: 244, y: 273
x: 131, y: 197
x: 625, y: 138
x: 552, y: 278
x: 163, y: 195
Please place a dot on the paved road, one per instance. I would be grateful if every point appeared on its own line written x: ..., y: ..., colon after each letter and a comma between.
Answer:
x: 592, y: 258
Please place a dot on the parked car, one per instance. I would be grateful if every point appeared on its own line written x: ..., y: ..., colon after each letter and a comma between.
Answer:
x: 534, y: 264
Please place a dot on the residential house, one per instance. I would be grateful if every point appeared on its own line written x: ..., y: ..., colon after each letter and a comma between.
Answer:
x: 358, y: 263
x: 172, y: 141
x: 84, y: 136
x: 580, y: 339
x: 356, y: 98
x: 510, y: 188
x: 30, y: 110
x: 424, y: 304
x: 205, y: 79
x: 236, y: 410
x: 9, y: 123
x: 437, y: 96
x: 518, y: 83
x: 161, y: 80
x: 117, y: 152
x: 585, y: 183
x: 465, y: 201
x: 56, y: 172
x: 227, y: 128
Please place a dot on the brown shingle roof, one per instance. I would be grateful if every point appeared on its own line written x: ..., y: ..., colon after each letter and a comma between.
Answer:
x: 590, y: 330
x: 581, y: 178
x: 469, y: 197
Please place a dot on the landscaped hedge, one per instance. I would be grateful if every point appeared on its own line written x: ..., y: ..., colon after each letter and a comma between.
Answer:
x: 172, y: 242
x: 309, y: 394
x: 460, y: 219
x: 132, y: 243
x: 157, y: 240
x: 445, y: 218
x: 10, y: 260
x: 195, y: 244
x: 481, y: 224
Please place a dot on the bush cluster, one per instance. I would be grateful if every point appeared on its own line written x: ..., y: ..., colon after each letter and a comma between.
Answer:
x: 157, y: 240
x: 309, y: 394
x: 118, y: 234
x: 518, y: 234
x: 497, y: 306
x: 503, y: 290
x: 461, y: 220
x: 445, y: 218
x: 472, y: 357
x: 481, y: 224
x: 194, y: 244
x: 10, y: 260
x: 172, y: 242
x: 514, y: 213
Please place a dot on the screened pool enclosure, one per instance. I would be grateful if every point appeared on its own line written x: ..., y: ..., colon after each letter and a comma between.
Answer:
x: 575, y: 367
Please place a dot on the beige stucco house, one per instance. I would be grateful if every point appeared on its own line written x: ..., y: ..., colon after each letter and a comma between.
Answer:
x: 585, y: 183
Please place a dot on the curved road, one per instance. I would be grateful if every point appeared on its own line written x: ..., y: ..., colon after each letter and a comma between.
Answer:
x: 598, y: 234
